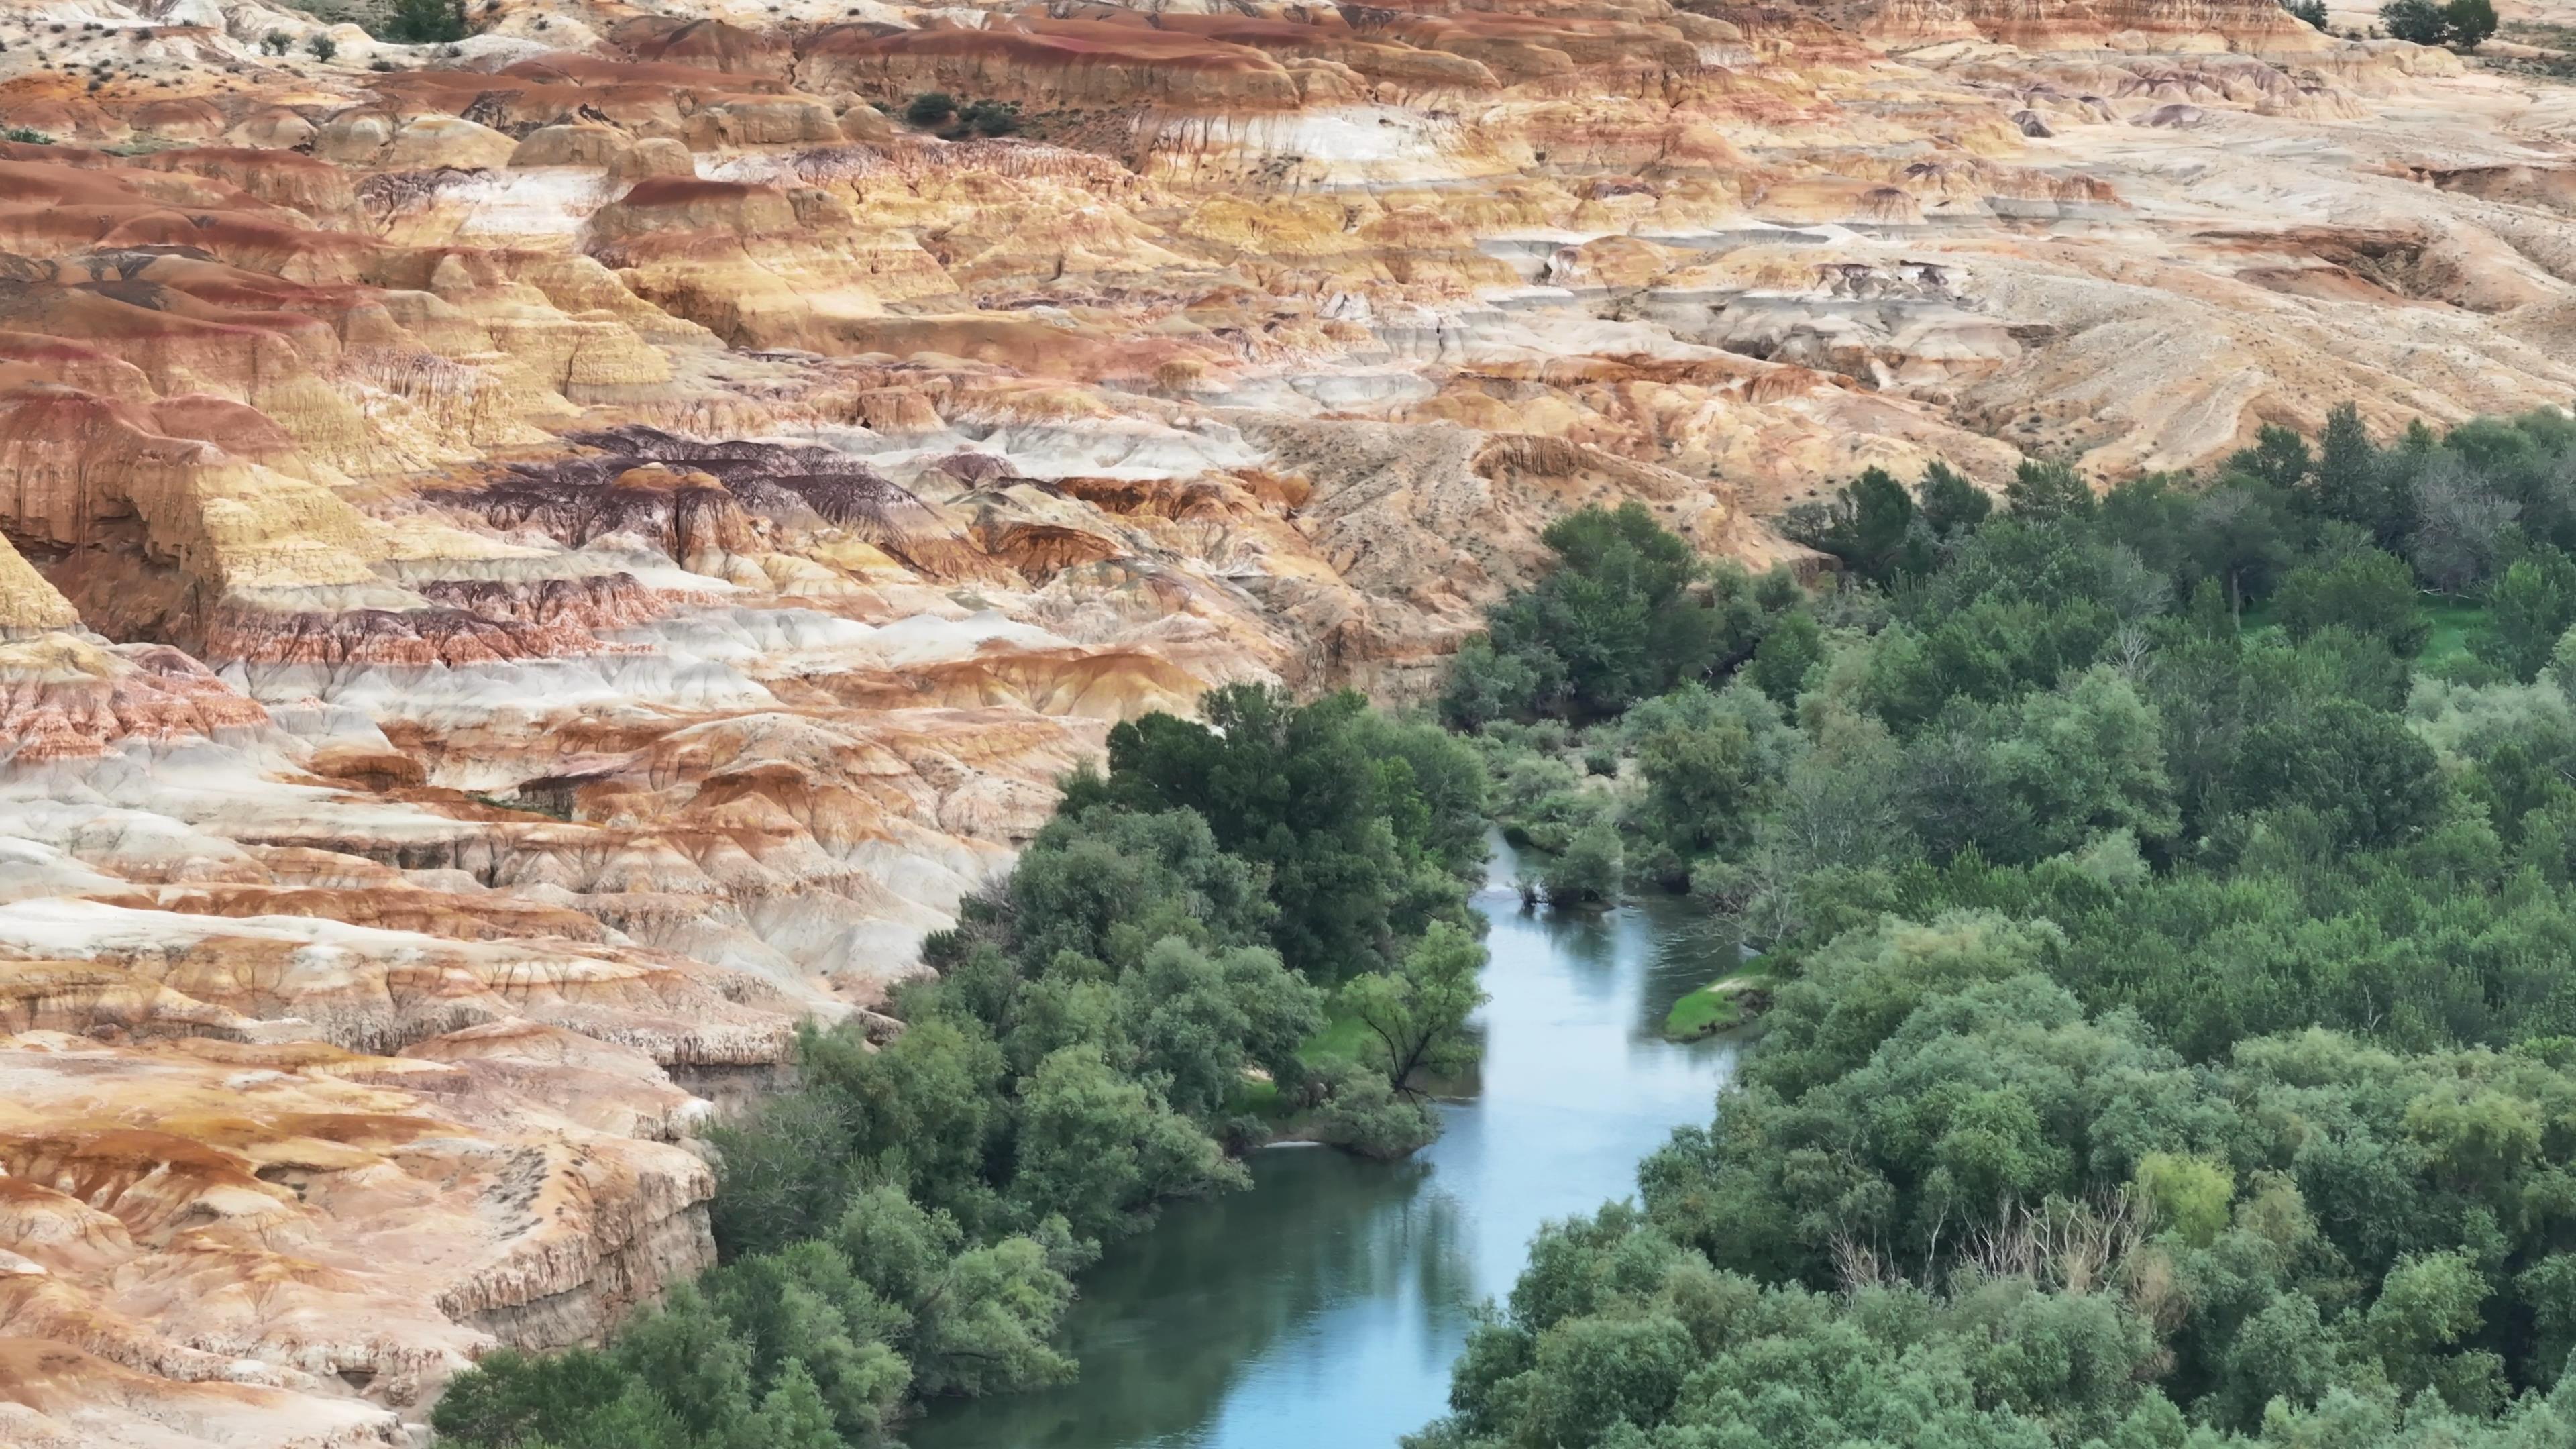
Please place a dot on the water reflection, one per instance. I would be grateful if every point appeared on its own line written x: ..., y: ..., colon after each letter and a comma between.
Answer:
x: 1324, y: 1306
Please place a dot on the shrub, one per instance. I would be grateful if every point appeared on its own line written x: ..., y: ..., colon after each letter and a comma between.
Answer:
x: 991, y: 118
x: 322, y: 48
x: 427, y: 22
x: 2463, y: 25
x: 2468, y: 23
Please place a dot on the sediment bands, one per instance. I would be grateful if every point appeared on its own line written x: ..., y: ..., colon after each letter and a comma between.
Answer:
x: 530, y: 564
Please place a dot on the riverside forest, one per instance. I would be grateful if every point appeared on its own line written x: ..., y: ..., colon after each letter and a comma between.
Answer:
x: 2158, y: 908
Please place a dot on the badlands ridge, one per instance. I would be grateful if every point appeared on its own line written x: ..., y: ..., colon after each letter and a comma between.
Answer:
x: 528, y: 566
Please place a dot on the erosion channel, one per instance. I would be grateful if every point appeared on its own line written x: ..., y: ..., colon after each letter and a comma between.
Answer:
x: 1326, y: 1305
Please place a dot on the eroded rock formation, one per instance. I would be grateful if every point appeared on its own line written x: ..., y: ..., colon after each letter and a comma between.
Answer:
x: 526, y: 567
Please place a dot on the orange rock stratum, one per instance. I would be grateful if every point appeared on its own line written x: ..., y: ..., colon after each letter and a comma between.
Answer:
x: 528, y: 566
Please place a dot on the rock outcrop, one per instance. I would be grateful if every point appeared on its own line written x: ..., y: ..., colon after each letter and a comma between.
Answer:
x: 527, y: 567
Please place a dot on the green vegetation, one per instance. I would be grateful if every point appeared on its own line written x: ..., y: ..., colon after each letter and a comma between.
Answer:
x: 1721, y: 1005
x: 2172, y: 1043
x: 26, y: 136
x: 425, y: 22
x: 1628, y: 613
x: 2463, y: 25
x: 321, y: 47
x: 941, y: 112
x: 1150, y: 988
x: 2311, y: 11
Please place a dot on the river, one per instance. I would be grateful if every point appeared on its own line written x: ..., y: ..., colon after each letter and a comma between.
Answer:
x: 1325, y: 1306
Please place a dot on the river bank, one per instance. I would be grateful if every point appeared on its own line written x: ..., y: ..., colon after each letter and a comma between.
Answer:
x: 1326, y: 1305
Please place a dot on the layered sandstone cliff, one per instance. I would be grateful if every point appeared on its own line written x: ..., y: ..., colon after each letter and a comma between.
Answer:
x: 528, y: 567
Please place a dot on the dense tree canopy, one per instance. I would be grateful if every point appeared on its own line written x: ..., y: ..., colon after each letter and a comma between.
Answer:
x: 905, y: 1223
x: 2174, y: 1036
x: 1628, y: 612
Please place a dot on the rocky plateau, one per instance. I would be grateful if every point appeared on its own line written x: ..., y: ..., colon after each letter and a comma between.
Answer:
x: 530, y: 565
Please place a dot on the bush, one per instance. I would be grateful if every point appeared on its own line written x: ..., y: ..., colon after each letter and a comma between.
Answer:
x: 990, y: 118
x: 2311, y: 11
x: 2367, y: 592
x: 427, y: 22
x: 2418, y: 21
x: 1589, y: 870
x: 930, y: 108
x: 1628, y: 612
x: 1364, y: 1115
x: 26, y: 136
x: 322, y: 48
x: 2468, y: 23
x: 2463, y: 25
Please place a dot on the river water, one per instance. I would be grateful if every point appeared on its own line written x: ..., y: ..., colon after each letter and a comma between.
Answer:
x: 1323, y: 1308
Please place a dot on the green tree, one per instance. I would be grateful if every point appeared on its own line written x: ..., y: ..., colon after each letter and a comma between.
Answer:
x: 981, y: 1319
x: 2532, y: 605
x: 2243, y: 536
x: 2189, y: 1195
x: 2426, y: 1306
x: 2349, y: 483
x: 1601, y: 1372
x: 1951, y: 506
x: 1362, y: 1113
x: 1197, y: 1022
x: 1590, y: 868
x: 2466, y: 24
x: 1488, y: 684
x: 427, y: 22
x: 1869, y: 525
x: 2086, y: 759
x: 2048, y: 492
x: 793, y: 1415
x: 1614, y: 622
x: 2365, y: 591
x: 691, y: 1360
x: 1275, y: 782
x: 2358, y: 770
x: 1416, y: 1017
x: 1787, y: 655
x: 1099, y: 1149
x: 807, y: 1306
x: 2279, y: 458
x: 1704, y: 779
x: 2420, y: 21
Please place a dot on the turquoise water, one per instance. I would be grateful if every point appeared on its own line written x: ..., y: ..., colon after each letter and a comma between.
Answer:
x: 1324, y: 1307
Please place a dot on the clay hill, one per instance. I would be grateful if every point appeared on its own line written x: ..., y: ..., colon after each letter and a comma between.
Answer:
x: 528, y: 565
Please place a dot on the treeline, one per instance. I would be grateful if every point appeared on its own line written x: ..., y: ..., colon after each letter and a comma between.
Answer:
x: 2178, y: 1037
x: 905, y: 1224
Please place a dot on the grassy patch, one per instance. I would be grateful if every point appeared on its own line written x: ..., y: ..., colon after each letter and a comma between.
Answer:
x: 2457, y: 627
x: 1257, y: 1097
x: 1341, y: 1040
x: 1719, y: 1006
x: 1702, y: 1013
